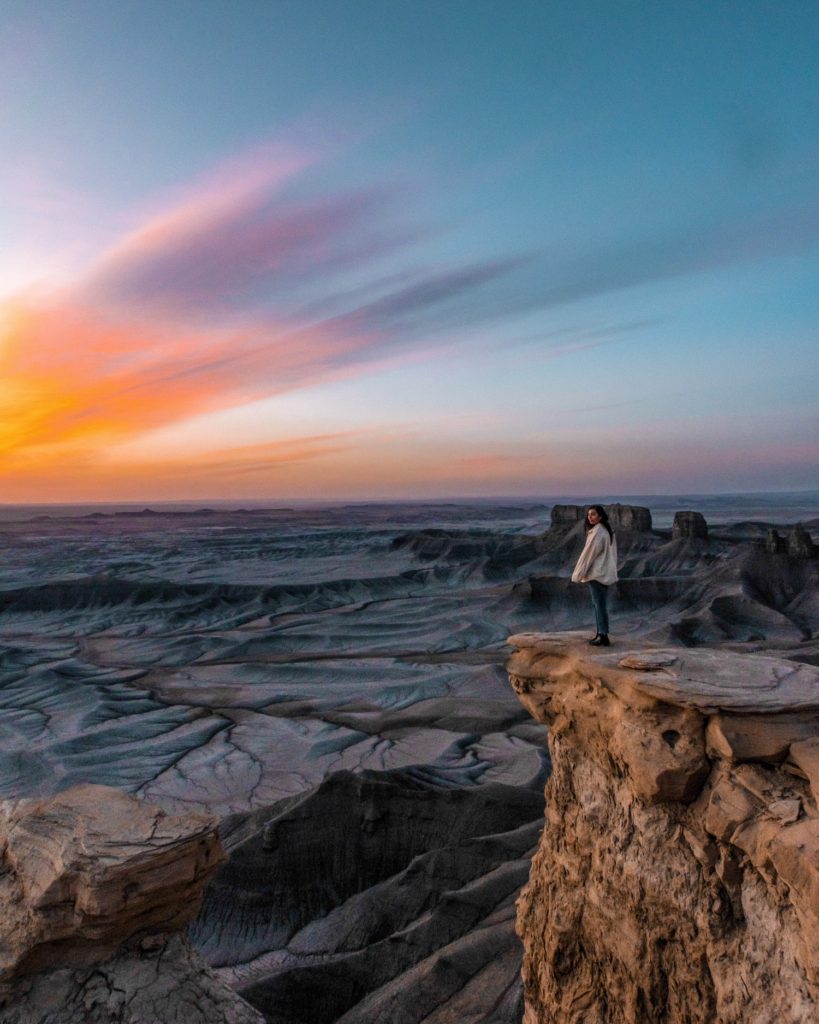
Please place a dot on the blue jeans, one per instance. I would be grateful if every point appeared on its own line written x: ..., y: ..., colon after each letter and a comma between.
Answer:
x: 600, y: 596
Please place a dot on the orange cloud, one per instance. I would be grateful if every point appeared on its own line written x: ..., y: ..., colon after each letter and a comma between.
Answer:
x: 74, y: 381
x: 83, y: 474
x: 153, y: 334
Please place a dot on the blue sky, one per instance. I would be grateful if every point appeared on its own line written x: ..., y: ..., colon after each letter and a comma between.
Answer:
x: 338, y: 249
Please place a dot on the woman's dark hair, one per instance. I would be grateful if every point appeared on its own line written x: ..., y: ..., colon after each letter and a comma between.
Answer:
x: 604, y: 518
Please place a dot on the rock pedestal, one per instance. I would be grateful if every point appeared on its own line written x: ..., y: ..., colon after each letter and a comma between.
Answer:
x: 689, y: 524
x: 678, y: 874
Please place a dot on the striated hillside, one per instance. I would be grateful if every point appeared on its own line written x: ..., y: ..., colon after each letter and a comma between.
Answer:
x: 677, y: 878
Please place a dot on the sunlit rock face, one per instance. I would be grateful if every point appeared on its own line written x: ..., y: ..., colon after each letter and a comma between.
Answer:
x: 95, y: 888
x: 677, y: 879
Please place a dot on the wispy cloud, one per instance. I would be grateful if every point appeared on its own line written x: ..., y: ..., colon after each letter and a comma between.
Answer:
x: 253, y: 280
x: 267, y: 458
x: 409, y: 307
x: 188, y: 313
x: 71, y: 375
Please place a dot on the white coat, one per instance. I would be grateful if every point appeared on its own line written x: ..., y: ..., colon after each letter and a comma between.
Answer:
x: 598, y: 559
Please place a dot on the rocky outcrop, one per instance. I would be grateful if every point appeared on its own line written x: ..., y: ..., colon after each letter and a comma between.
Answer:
x: 565, y: 517
x: 799, y: 543
x: 689, y: 524
x: 633, y: 518
x: 678, y: 874
x: 774, y: 543
x: 95, y: 887
x: 167, y: 985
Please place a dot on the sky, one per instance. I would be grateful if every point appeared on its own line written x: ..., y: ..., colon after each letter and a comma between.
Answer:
x: 379, y: 249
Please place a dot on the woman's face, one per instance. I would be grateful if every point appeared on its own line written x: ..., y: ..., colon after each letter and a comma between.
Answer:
x: 593, y: 516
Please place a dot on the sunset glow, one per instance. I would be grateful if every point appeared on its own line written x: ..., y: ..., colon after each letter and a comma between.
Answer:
x: 324, y: 257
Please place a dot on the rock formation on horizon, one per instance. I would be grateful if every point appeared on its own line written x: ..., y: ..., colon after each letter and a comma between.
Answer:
x: 95, y: 888
x: 689, y: 524
x: 634, y: 518
x: 775, y: 543
x: 677, y: 880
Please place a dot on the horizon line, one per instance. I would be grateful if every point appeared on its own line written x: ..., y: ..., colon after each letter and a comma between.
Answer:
x: 405, y: 500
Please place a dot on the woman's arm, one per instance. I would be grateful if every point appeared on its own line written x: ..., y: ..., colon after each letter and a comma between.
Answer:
x: 595, y: 543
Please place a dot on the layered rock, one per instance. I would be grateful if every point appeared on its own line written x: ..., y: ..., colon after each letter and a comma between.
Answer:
x: 634, y: 518
x: 678, y: 874
x: 375, y: 897
x: 799, y: 543
x: 689, y: 524
x: 95, y: 887
x: 774, y: 543
x: 565, y: 517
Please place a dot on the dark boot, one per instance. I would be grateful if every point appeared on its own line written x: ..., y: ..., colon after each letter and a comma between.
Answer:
x: 601, y: 640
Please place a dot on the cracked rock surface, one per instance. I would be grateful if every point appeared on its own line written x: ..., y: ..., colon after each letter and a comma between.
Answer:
x: 171, y: 985
x: 677, y: 879
x: 95, y: 887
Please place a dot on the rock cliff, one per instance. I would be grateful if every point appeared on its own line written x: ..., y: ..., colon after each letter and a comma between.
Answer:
x: 635, y: 518
x: 677, y: 878
x: 95, y: 887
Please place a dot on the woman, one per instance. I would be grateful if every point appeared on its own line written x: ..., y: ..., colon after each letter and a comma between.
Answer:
x: 597, y: 566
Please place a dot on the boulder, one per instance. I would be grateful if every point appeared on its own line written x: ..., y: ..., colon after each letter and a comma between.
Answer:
x: 95, y: 886
x: 764, y: 738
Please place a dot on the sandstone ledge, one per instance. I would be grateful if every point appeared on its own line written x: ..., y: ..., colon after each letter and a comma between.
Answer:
x: 678, y: 874
x: 95, y: 886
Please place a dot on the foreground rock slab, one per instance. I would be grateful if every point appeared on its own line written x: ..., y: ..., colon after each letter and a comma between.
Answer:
x: 677, y: 878
x: 95, y: 887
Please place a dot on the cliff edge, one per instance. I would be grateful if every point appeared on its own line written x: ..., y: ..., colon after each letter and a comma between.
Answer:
x: 677, y: 878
